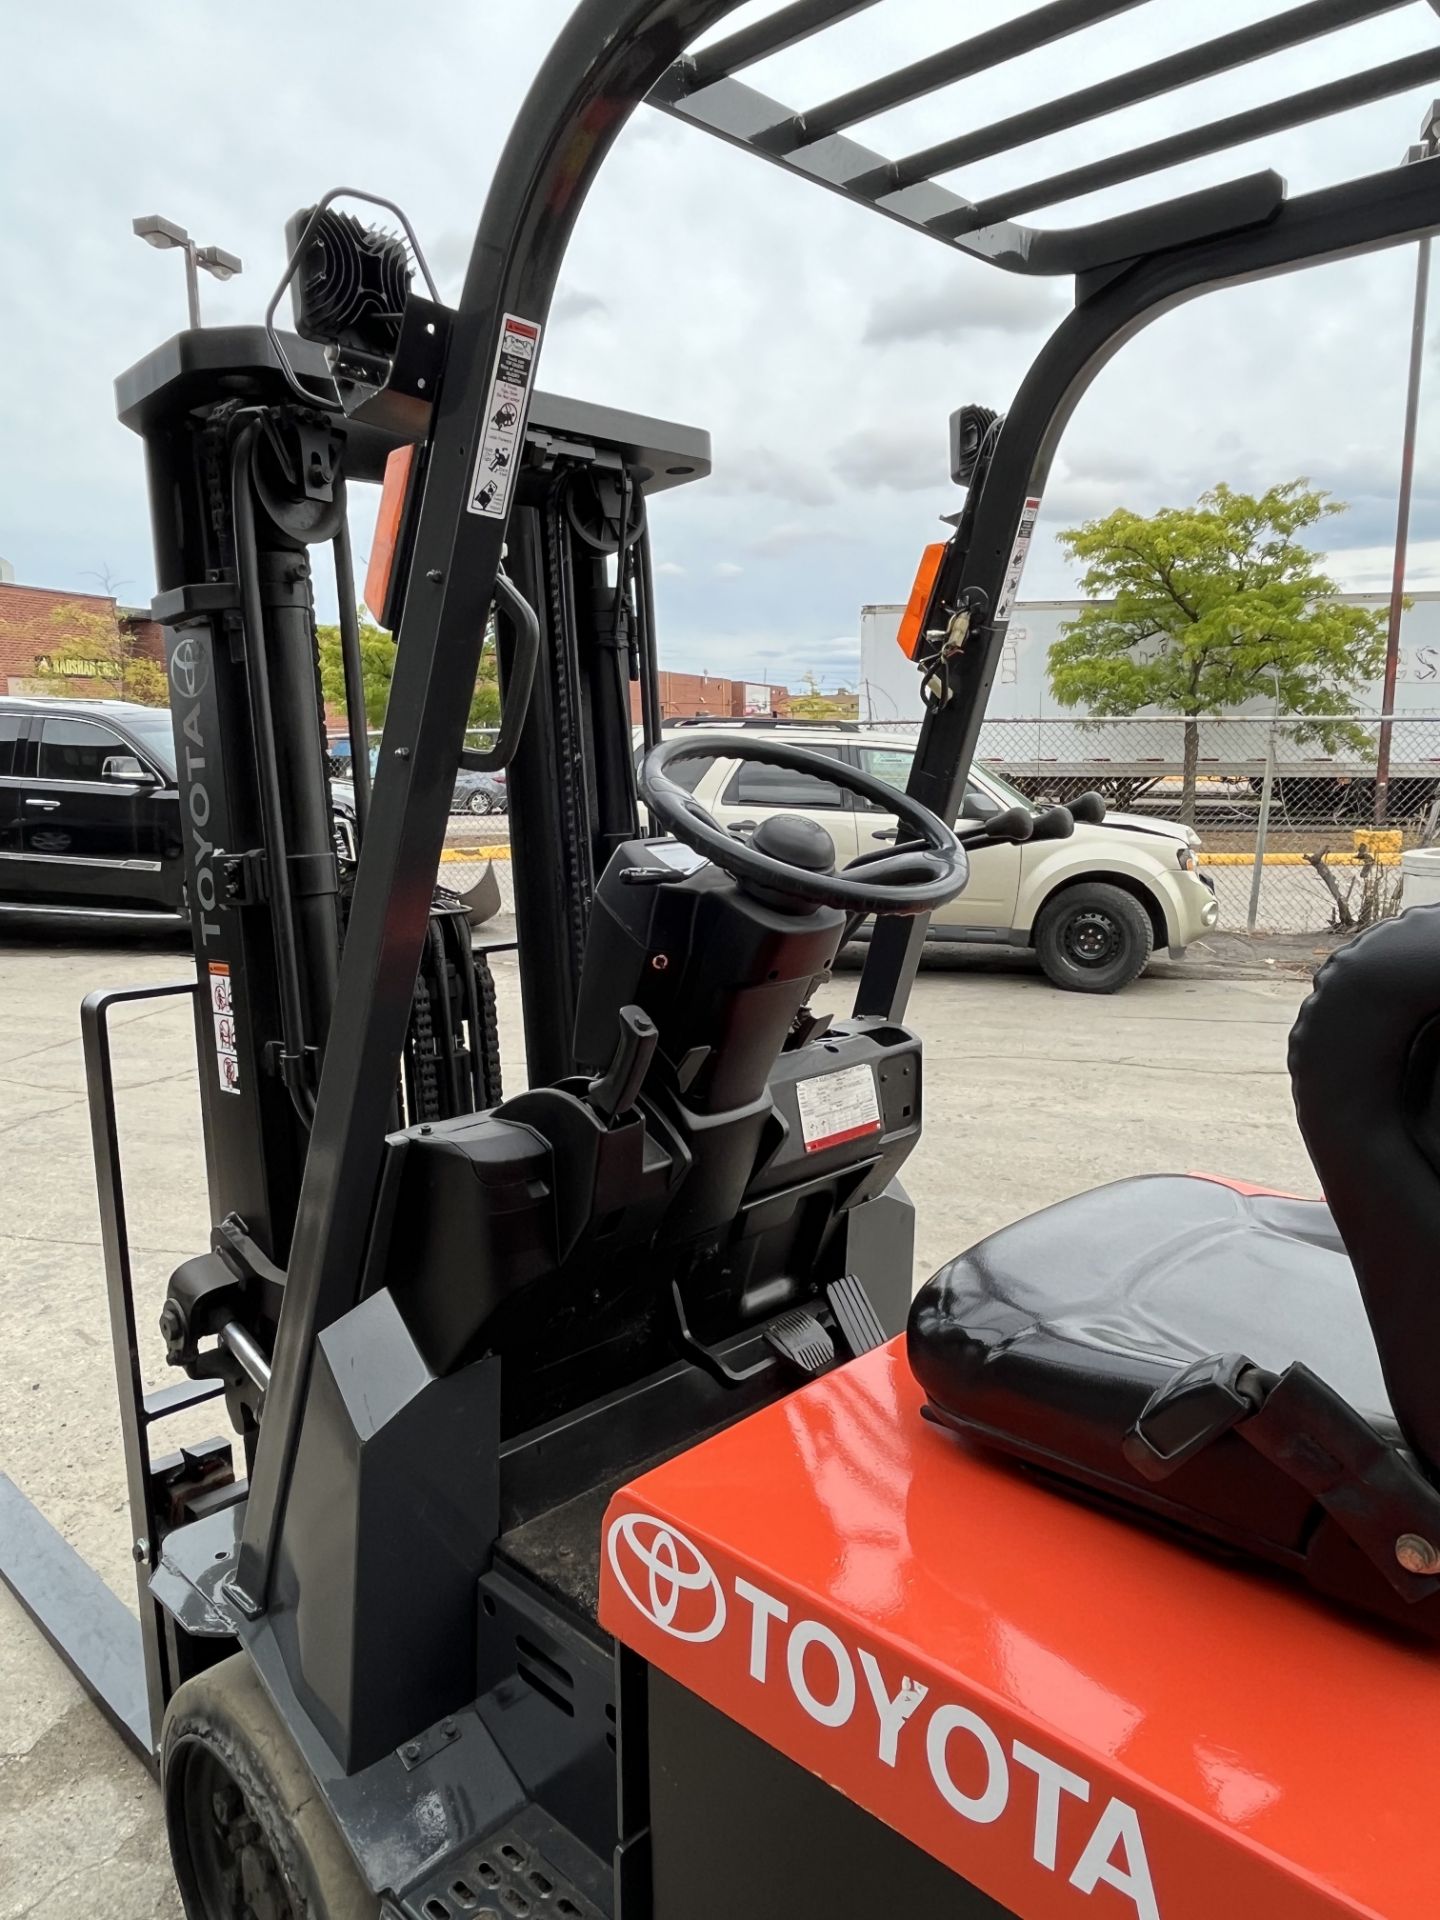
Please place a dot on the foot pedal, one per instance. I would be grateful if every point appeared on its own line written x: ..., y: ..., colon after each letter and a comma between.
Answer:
x: 799, y: 1338
x: 854, y: 1315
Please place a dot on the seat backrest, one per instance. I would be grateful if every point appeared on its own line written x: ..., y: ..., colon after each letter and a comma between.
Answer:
x: 1364, y: 1058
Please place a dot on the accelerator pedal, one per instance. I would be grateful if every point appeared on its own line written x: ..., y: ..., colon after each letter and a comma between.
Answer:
x: 855, y: 1315
x: 798, y: 1338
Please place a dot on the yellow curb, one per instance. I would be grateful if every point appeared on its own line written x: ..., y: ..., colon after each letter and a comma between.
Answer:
x: 1292, y: 860
x: 471, y: 854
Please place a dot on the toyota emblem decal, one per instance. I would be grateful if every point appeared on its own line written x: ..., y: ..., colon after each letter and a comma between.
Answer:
x: 665, y: 1577
x: 189, y: 668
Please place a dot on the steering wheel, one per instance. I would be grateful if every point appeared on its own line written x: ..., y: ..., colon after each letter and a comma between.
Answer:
x: 911, y: 879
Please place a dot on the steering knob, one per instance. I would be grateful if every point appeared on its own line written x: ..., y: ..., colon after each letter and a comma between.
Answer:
x: 796, y: 841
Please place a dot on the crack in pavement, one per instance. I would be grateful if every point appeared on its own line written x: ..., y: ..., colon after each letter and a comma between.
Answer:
x: 1140, y: 1066
x: 73, y: 1040
x: 42, y: 1113
x: 56, y: 1240
x: 80, y: 1099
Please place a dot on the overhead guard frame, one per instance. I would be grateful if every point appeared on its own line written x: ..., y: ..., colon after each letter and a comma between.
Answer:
x: 814, y: 144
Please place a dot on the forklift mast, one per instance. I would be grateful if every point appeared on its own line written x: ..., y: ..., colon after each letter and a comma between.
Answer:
x: 450, y: 1325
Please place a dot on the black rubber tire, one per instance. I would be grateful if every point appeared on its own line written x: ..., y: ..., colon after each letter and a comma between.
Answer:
x: 1093, y: 907
x: 222, y: 1737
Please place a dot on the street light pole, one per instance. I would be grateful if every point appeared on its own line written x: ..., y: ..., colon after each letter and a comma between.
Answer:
x: 192, y: 282
x: 156, y: 231
x: 1428, y: 146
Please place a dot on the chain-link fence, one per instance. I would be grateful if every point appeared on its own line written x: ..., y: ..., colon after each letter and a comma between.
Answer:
x: 478, y: 833
x: 1285, y: 808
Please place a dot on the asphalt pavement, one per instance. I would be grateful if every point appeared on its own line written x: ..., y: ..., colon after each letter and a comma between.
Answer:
x: 1030, y: 1095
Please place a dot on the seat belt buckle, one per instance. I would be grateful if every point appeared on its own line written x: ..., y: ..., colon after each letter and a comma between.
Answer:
x: 1191, y: 1411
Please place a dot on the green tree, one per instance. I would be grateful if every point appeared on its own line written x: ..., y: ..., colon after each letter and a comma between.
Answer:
x: 811, y: 704
x: 96, y: 650
x: 1201, y: 608
x: 377, y: 665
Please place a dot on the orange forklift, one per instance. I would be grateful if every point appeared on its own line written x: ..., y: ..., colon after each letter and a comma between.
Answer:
x: 603, y: 1533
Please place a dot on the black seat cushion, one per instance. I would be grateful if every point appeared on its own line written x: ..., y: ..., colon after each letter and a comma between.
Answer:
x: 1052, y: 1338
x: 1049, y: 1337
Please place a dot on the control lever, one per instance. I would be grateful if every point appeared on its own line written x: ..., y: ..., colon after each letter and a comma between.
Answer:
x: 617, y: 1089
x: 1055, y: 823
x: 1012, y: 827
x: 1087, y: 809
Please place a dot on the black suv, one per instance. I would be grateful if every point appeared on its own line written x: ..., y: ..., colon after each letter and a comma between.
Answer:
x: 90, y: 813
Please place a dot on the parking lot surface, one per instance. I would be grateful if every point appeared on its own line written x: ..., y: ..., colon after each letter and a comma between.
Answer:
x: 1030, y: 1095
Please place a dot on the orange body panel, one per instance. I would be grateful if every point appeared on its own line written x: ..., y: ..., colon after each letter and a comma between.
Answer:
x: 1083, y: 1719
x: 1248, y: 1186
x: 398, y: 468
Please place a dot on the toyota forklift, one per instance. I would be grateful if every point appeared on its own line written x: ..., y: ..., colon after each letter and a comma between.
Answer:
x: 603, y: 1534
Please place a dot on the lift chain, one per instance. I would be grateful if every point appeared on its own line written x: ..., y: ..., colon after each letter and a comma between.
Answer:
x: 577, y: 881
x: 487, y: 1042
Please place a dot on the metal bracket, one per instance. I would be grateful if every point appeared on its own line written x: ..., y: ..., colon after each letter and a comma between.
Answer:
x: 414, y: 1753
x: 241, y: 879
x: 195, y: 603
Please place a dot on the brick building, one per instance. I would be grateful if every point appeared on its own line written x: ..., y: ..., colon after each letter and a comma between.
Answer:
x: 684, y: 695
x: 32, y: 633
x: 32, y: 641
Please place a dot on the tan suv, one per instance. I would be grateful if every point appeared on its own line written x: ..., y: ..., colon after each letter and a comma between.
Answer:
x: 1093, y: 907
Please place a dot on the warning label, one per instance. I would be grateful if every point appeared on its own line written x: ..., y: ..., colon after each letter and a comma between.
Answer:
x: 504, y: 420
x: 222, y: 1011
x: 1024, y: 534
x: 837, y: 1106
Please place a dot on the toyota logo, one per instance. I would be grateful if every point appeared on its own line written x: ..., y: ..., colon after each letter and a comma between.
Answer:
x: 189, y: 667
x: 666, y: 1577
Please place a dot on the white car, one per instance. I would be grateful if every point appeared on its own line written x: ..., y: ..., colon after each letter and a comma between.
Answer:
x: 1093, y: 907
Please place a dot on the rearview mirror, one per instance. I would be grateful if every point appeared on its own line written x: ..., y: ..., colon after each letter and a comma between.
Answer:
x: 127, y: 771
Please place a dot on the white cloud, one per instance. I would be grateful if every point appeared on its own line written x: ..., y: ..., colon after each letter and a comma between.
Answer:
x: 964, y: 303
x: 822, y: 348
x: 906, y: 458
x: 773, y: 471
x: 1369, y: 569
x: 573, y: 303
x: 790, y: 536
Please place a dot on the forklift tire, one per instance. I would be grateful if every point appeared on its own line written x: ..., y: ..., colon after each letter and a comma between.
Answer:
x: 1093, y: 938
x: 250, y: 1836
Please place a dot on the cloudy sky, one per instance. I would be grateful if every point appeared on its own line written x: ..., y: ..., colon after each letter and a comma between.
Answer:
x: 822, y: 347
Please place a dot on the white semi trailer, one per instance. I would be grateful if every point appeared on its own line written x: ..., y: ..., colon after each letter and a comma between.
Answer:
x: 1031, y: 738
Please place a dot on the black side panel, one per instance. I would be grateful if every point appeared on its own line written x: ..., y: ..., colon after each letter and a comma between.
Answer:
x: 880, y: 1252
x: 736, y: 1828
x: 395, y: 1514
